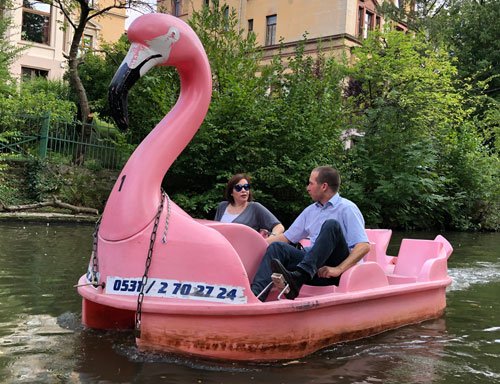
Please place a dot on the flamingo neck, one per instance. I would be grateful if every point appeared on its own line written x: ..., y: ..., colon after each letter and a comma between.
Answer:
x: 134, y: 199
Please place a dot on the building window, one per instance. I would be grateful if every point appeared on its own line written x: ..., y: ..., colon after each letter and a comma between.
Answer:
x: 250, y: 26
x: 30, y: 73
x: 225, y: 12
x: 177, y: 7
x: 367, y: 21
x: 368, y: 24
x: 86, y: 44
x: 206, y: 3
x: 271, y: 29
x: 361, y: 16
x: 36, y: 22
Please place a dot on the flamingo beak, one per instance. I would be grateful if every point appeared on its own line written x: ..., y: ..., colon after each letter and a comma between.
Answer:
x: 123, y: 80
x: 137, y: 62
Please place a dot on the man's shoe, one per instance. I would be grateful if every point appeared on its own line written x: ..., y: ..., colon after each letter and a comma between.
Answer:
x: 294, y: 279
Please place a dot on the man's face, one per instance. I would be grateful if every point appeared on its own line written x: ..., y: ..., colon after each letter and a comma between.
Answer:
x: 315, y: 190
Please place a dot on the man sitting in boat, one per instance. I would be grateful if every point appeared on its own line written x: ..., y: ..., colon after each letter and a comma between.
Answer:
x: 336, y: 229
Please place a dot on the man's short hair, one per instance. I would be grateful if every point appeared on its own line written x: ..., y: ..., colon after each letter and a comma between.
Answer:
x: 329, y: 175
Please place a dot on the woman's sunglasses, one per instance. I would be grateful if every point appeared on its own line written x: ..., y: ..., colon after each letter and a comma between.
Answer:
x: 239, y: 187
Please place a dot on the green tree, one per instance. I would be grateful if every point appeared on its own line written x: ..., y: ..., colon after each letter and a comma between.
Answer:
x: 77, y: 14
x: 36, y: 97
x: 8, y: 51
x: 470, y: 28
x: 418, y: 144
x: 275, y: 122
x: 417, y: 15
x: 148, y: 101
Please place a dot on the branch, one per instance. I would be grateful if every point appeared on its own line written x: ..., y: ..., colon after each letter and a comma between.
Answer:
x: 119, y: 5
x: 65, y: 13
x: 54, y: 203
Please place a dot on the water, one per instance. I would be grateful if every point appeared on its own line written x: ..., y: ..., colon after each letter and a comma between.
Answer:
x: 42, y: 341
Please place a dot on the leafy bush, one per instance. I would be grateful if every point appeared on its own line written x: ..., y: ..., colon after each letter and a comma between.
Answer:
x: 35, y: 97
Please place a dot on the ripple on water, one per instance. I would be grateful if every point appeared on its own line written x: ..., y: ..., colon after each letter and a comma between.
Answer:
x: 40, y: 342
x: 480, y: 273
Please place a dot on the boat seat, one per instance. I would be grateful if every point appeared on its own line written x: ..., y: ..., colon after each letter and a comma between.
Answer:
x: 379, y: 241
x: 315, y: 290
x: 248, y: 243
x: 367, y: 275
x: 447, y: 248
x: 362, y: 276
x: 412, y: 256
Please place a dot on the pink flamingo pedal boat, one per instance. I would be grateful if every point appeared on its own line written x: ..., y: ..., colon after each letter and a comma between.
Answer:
x: 184, y: 284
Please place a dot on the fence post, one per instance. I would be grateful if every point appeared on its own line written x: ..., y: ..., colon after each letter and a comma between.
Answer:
x: 44, y: 135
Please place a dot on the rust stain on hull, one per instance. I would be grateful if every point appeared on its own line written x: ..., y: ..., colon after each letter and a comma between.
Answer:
x: 258, y: 348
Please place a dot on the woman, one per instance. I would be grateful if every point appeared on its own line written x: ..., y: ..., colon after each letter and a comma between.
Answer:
x: 239, y: 208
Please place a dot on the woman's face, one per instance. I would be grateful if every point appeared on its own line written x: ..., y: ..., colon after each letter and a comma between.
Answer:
x: 241, y: 196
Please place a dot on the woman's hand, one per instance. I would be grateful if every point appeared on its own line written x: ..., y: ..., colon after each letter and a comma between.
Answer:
x: 278, y: 229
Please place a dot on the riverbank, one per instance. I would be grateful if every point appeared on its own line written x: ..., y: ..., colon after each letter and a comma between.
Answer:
x: 44, y: 217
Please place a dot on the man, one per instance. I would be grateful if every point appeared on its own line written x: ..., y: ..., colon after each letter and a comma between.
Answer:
x: 336, y: 229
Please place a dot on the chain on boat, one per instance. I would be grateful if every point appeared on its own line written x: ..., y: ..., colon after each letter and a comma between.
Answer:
x: 152, y: 239
x: 94, y: 275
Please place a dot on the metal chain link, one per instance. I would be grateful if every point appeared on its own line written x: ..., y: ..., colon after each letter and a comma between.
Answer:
x: 95, y: 264
x: 164, y: 237
x: 140, y: 297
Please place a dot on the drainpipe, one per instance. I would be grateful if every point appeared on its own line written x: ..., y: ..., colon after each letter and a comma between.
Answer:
x: 239, y: 15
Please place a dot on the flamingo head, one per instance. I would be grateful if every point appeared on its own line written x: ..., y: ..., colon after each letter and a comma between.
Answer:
x: 156, y: 39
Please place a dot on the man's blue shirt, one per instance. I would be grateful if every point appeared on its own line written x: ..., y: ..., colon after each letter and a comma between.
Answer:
x: 309, y: 222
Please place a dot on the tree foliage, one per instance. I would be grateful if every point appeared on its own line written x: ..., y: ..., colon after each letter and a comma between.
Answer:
x: 417, y: 15
x: 148, y: 101
x: 8, y: 51
x: 471, y: 29
x: 35, y: 97
x: 420, y: 163
x: 274, y: 122
x: 77, y: 14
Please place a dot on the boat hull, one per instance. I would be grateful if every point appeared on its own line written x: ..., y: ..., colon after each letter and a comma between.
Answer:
x: 210, y: 311
x: 277, y: 330
x: 289, y: 335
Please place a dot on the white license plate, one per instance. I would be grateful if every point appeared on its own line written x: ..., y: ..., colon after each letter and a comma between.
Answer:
x: 175, y: 289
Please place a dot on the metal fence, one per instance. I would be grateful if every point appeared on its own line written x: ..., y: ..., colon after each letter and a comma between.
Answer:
x: 45, y: 137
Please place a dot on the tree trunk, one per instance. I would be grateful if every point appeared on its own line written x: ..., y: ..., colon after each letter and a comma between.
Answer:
x: 76, y: 82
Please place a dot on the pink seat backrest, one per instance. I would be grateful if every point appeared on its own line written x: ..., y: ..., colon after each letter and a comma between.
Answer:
x: 414, y: 253
x: 447, y: 248
x: 372, y: 254
x: 362, y: 276
x: 380, y: 239
x: 248, y: 244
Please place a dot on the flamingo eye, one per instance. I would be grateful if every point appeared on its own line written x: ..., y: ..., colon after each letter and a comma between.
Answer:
x: 173, y: 34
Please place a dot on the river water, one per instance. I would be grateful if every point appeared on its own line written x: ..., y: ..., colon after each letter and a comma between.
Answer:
x: 42, y: 341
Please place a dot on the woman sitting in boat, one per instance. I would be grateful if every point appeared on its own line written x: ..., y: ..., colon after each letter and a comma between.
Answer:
x: 239, y: 208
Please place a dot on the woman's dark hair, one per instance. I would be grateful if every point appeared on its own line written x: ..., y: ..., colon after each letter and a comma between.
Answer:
x: 232, y: 182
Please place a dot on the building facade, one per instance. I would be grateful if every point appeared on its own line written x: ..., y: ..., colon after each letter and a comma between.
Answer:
x: 334, y: 25
x: 40, y: 28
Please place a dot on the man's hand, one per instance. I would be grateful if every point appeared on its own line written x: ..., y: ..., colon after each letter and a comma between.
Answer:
x: 356, y: 254
x: 327, y: 272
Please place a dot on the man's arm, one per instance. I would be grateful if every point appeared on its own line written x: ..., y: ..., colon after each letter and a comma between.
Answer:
x: 356, y: 254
